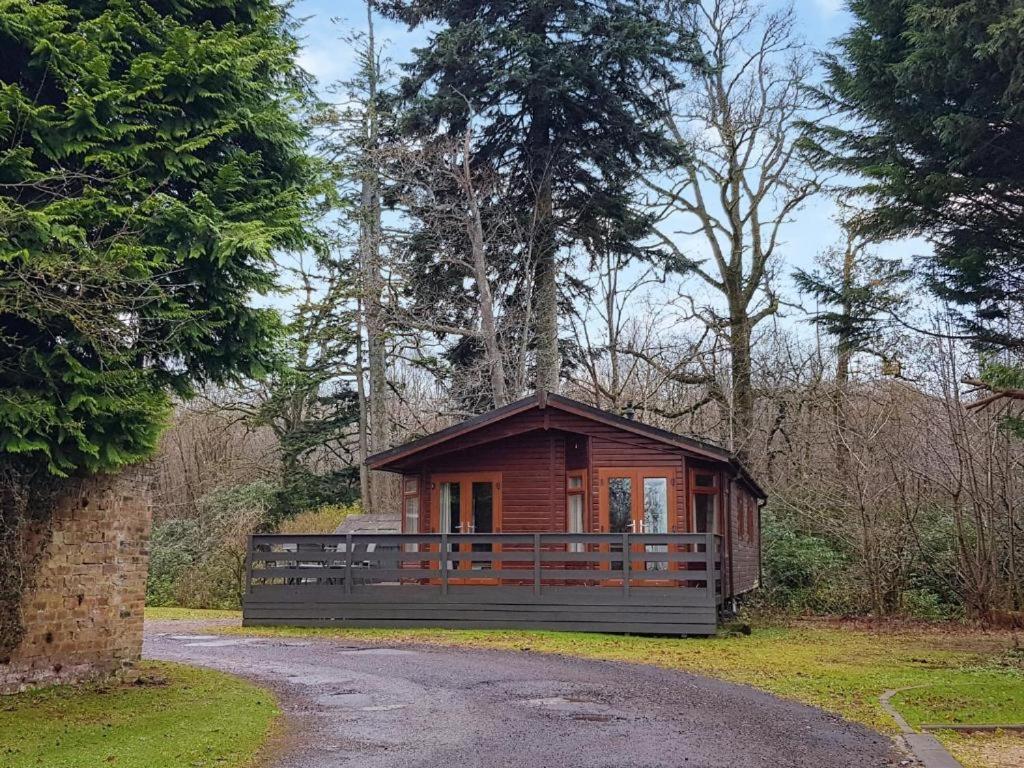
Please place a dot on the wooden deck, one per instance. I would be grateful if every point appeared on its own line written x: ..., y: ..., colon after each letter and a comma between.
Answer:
x: 637, y: 583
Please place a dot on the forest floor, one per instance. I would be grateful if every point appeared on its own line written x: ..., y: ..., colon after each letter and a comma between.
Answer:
x: 172, y: 716
x: 955, y: 674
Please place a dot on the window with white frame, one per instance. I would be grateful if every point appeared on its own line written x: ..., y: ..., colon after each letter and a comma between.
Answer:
x: 574, y: 507
x: 411, y: 509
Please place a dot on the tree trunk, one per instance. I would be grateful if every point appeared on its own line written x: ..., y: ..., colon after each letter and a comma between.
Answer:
x: 549, y: 360
x: 843, y: 355
x: 370, y: 268
x: 742, y: 415
x: 611, y: 316
x: 363, y: 447
x: 543, y: 237
x: 488, y: 327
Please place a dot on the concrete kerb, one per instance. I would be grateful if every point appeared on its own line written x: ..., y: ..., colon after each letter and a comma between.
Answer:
x: 925, y: 747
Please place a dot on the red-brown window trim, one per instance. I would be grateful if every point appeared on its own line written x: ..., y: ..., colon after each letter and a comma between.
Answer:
x: 408, y: 494
x: 580, y: 491
x: 705, y: 490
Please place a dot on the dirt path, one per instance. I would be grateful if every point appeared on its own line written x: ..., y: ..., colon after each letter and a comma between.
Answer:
x: 427, y: 707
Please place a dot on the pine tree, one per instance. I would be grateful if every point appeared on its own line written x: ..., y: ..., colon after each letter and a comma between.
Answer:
x: 931, y: 102
x: 560, y: 92
x: 307, y: 401
x: 150, y: 163
x: 859, y: 290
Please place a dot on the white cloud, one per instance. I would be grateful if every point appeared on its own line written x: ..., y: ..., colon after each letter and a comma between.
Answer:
x: 830, y: 7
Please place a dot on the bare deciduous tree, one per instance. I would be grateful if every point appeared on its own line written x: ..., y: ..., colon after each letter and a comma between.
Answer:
x: 743, y: 177
x: 456, y: 212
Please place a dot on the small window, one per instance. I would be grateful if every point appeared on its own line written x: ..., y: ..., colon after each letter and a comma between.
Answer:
x: 412, y: 514
x: 704, y: 501
x: 576, y: 520
x: 411, y: 509
x: 575, y: 504
x: 705, y: 480
x: 705, y: 519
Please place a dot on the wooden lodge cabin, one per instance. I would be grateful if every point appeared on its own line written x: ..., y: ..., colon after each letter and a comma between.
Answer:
x: 546, y: 513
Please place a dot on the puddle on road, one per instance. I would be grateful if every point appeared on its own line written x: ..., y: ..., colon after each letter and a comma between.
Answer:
x: 350, y: 699
x: 193, y: 637
x: 216, y: 643
x: 375, y: 652
x: 574, y: 706
x: 346, y: 699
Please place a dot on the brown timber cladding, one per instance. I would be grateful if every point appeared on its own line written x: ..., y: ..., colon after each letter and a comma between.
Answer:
x: 530, y: 450
x: 533, y: 464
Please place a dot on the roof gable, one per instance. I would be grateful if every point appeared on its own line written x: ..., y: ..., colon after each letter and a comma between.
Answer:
x: 389, y: 459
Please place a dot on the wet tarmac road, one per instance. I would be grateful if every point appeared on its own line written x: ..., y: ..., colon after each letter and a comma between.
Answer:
x: 428, y: 707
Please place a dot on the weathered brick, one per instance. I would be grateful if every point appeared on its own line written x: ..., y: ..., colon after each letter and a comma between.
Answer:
x: 92, y: 571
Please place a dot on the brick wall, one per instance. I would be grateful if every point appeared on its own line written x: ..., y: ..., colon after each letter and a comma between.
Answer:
x: 83, y: 617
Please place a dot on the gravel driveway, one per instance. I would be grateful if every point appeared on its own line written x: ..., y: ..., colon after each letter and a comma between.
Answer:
x: 438, y: 708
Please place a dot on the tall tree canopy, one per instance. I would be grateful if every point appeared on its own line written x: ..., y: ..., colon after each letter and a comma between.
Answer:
x: 149, y: 164
x: 560, y: 91
x: 931, y: 93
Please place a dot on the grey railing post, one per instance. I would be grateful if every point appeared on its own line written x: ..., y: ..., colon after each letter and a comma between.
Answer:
x: 348, y: 563
x: 248, y: 567
x: 536, y: 563
x: 444, y: 563
x: 626, y: 558
x: 709, y: 556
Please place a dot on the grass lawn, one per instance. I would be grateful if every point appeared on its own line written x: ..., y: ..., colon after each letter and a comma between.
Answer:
x: 970, y: 676
x: 177, y: 717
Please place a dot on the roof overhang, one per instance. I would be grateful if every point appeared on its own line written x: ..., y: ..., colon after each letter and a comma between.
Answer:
x: 390, y: 460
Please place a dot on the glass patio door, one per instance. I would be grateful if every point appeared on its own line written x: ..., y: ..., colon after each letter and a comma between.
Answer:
x: 637, y: 500
x: 469, y: 503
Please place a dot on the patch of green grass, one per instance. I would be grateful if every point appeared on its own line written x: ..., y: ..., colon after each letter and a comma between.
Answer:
x: 988, y: 699
x: 189, y: 614
x: 178, y: 717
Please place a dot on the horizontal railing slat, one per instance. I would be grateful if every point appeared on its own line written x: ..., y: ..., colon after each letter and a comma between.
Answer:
x: 612, y: 582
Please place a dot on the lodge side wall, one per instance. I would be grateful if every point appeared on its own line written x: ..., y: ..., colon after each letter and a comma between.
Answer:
x: 744, y: 547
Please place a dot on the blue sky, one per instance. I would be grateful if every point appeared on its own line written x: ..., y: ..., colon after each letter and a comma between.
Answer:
x: 330, y: 59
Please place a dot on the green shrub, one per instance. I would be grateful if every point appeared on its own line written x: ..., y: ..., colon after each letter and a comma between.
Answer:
x: 200, y: 562
x: 174, y: 546
x: 803, y: 572
x: 925, y: 604
x: 325, y: 519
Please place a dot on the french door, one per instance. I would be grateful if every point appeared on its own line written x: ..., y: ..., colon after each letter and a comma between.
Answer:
x: 637, y: 500
x: 468, y: 502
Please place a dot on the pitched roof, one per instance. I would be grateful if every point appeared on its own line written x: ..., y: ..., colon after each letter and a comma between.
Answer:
x: 541, y: 400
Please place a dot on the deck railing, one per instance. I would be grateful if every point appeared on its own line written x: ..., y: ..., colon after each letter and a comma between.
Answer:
x: 504, y: 577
